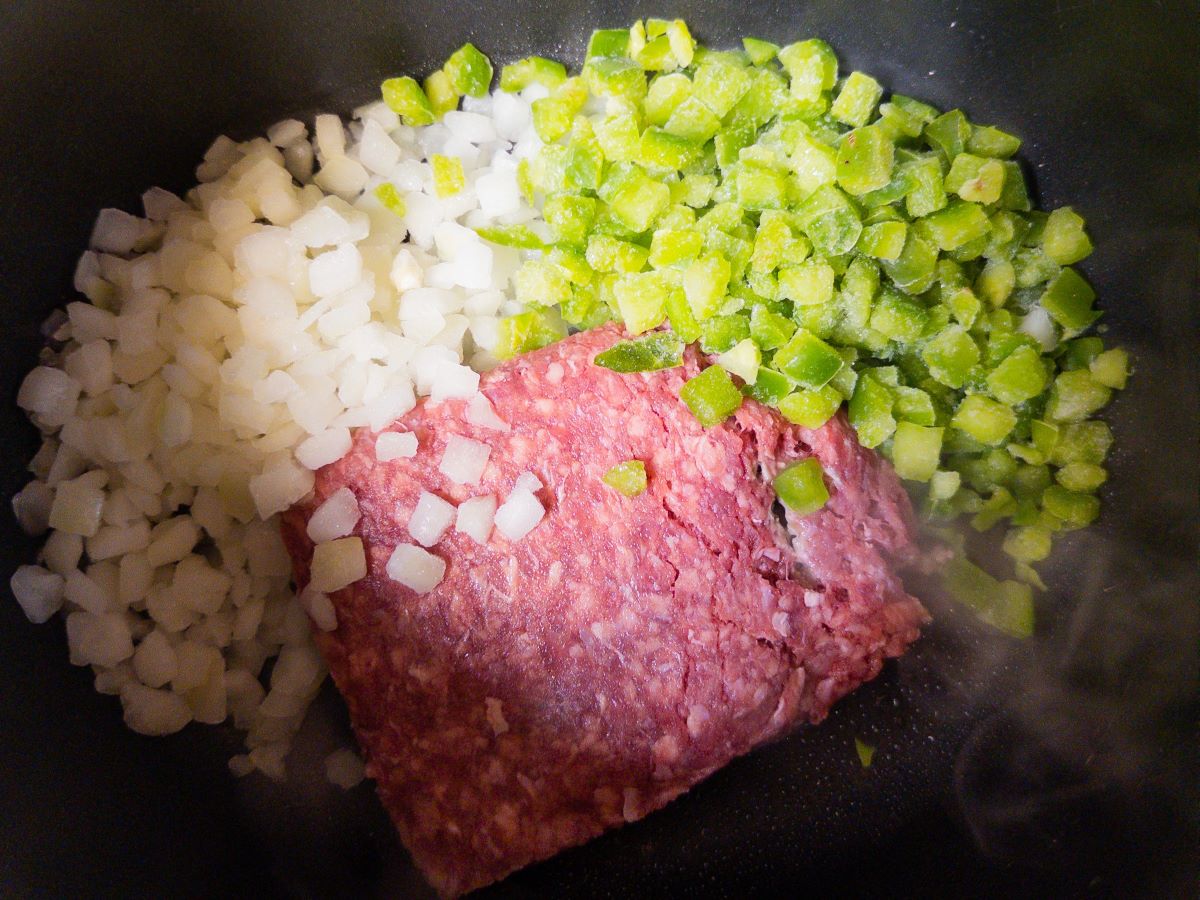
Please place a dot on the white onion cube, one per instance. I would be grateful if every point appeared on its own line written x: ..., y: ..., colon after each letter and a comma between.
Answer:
x: 395, y: 445
x: 416, y: 568
x: 430, y: 519
x: 334, y: 518
x: 519, y: 514
x: 336, y: 564
x: 39, y: 592
x: 464, y: 460
x: 475, y: 517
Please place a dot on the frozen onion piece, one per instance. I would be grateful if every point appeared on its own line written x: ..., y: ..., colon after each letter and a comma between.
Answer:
x: 416, y: 568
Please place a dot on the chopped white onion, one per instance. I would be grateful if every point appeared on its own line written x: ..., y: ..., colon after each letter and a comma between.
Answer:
x: 475, y: 517
x: 416, y: 568
x: 519, y: 514
x: 395, y: 445
x: 430, y: 519
x: 464, y: 460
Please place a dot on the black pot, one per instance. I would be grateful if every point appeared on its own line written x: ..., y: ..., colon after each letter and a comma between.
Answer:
x: 1066, y: 763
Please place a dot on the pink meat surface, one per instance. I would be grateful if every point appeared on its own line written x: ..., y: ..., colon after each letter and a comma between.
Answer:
x: 552, y: 688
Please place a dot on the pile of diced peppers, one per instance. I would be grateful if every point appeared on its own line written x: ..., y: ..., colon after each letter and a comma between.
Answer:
x: 821, y: 246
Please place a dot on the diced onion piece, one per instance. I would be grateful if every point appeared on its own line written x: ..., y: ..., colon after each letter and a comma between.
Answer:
x: 336, y: 564
x: 153, y: 712
x: 345, y: 769
x: 395, y: 445
x: 100, y: 640
x: 464, y: 460
x: 416, y: 568
x: 482, y: 414
x: 334, y: 518
x: 527, y: 481
x: 39, y: 592
x: 430, y: 519
x: 519, y: 514
x: 475, y: 517
x: 320, y: 609
x: 322, y: 449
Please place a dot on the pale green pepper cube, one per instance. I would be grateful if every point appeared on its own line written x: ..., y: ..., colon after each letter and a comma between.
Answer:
x: 1063, y: 237
x: 975, y: 178
x: 865, y: 158
x: 771, y: 240
x: 760, y: 52
x: 884, y: 240
x: 665, y: 94
x: 540, y: 283
x: 999, y: 505
x: 606, y: 253
x: 769, y: 329
x: 608, y: 42
x: 618, y: 137
x: 448, y: 177
x: 569, y: 217
x: 1087, y: 442
x: 814, y: 163
x: 1068, y: 300
x: 856, y: 100
x: 1015, y: 194
x: 441, y: 93
x: 387, y: 194
x: 720, y: 86
x: 811, y: 408
x: 808, y: 360
x: 812, y: 67
x: 769, y: 387
x: 951, y: 357
x: 1081, y: 477
x: 517, y: 76
x: 683, y: 45
x: 830, y: 221
x: 742, y: 359
x: 984, y: 419
x: 964, y: 306
x: 943, y: 485
x: 528, y: 331
x: 469, y: 70
x: 956, y: 224
x: 616, y: 78
x: 705, y: 283
x: 694, y: 190
x: 916, y: 450
x: 1028, y: 544
x: 672, y: 246
x: 658, y: 350
x: 807, y: 284
x: 915, y: 269
x: 948, y: 133
x: 639, y: 203
x: 800, y: 487
x: 628, y: 478
x: 658, y: 149
x: 1111, y: 368
x: 928, y: 191
x: 996, y: 281
x: 1075, y: 395
x: 711, y: 396
x: 693, y: 120
x: 720, y: 333
x: 761, y: 188
x: 987, y: 140
x: 1019, y: 377
x: 641, y: 301
x: 870, y: 411
x: 898, y: 318
x: 552, y: 118
x: 404, y: 97
x: 1073, y: 509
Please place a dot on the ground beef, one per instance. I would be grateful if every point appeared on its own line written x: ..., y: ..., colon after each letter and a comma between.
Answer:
x: 627, y: 647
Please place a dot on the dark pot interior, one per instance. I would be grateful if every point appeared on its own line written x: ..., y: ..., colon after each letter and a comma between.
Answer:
x: 1066, y: 763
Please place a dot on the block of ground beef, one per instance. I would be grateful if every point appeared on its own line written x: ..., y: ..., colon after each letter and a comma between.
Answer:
x: 581, y: 677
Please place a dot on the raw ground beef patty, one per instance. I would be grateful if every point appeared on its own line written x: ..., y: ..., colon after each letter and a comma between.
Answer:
x: 627, y: 647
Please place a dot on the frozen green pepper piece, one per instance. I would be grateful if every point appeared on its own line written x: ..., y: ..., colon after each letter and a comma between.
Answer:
x: 469, y: 70
x: 404, y: 97
x: 801, y: 486
x: 808, y: 360
x: 856, y: 100
x: 711, y: 396
x: 984, y: 419
x: 532, y: 70
x: 916, y: 450
x: 628, y: 478
x: 811, y: 408
x: 660, y: 350
x: 865, y: 158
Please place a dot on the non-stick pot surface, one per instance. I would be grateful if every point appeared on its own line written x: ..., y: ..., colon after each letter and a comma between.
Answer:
x: 1065, y: 763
